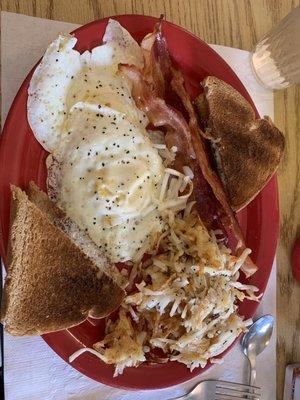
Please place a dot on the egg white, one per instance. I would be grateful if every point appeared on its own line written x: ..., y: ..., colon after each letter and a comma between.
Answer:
x: 110, y: 175
x: 65, y: 77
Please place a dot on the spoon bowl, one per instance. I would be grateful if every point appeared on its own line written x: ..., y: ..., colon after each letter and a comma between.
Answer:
x: 258, y: 336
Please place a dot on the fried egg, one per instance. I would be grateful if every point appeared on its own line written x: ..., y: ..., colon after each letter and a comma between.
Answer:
x: 103, y: 170
x: 109, y: 177
x: 64, y: 77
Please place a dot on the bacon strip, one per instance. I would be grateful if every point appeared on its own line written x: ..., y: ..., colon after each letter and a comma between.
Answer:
x: 211, y: 177
x: 154, y: 47
x: 158, y: 67
x: 158, y: 112
x: 201, y: 155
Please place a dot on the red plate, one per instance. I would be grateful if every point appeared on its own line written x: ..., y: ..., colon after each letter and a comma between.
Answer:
x: 22, y: 159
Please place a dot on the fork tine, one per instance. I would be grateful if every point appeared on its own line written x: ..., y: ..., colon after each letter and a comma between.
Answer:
x: 230, y: 397
x: 235, y: 385
x: 237, y: 393
x: 231, y: 390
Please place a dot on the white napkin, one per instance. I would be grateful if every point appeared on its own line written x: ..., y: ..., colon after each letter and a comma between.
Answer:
x: 32, y: 371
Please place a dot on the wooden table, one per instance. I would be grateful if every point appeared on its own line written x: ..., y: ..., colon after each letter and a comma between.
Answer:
x: 237, y: 23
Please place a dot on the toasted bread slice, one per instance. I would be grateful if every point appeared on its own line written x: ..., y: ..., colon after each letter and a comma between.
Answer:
x: 247, y: 149
x: 51, y: 284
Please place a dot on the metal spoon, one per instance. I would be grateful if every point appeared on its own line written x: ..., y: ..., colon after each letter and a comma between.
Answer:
x: 256, y: 340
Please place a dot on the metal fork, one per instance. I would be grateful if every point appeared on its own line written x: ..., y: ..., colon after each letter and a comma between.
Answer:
x: 221, y: 390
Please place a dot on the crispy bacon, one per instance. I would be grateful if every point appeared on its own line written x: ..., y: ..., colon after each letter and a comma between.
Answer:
x: 150, y: 94
x: 158, y: 112
x: 158, y: 67
x: 154, y: 47
x: 209, y: 174
x: 201, y: 155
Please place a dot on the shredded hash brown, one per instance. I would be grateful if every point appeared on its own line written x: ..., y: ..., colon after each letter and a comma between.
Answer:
x: 184, y: 298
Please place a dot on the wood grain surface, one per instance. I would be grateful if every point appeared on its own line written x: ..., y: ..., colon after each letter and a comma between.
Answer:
x: 237, y: 23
